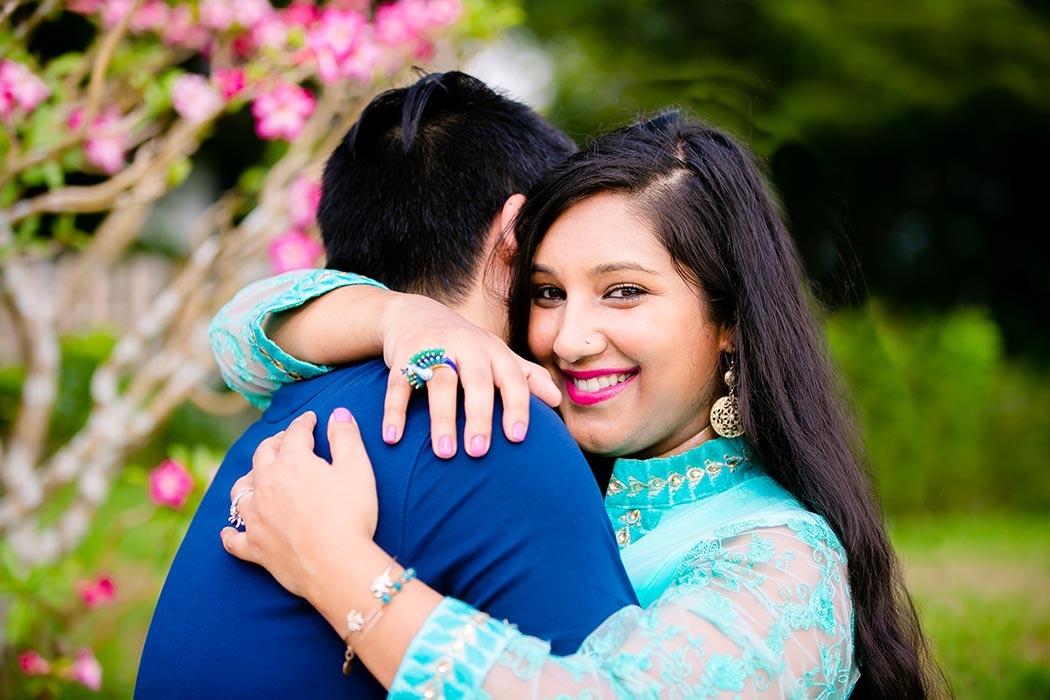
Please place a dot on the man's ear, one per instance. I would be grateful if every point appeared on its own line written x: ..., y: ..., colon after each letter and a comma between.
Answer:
x: 508, y: 242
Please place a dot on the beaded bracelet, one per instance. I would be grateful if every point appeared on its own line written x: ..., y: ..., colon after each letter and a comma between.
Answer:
x: 384, y: 589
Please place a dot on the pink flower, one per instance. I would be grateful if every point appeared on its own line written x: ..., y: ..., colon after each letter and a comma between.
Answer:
x: 106, y: 143
x: 222, y: 15
x: 87, y: 670
x: 230, y: 81
x: 195, y: 99
x: 183, y: 30
x: 216, y: 14
x: 303, y: 198
x: 362, y: 65
x: 97, y: 592
x: 151, y: 17
x: 395, y: 24
x: 302, y: 14
x: 282, y: 112
x: 84, y: 7
x: 441, y: 13
x: 248, y: 13
x: 294, y: 251
x: 75, y: 118
x: 271, y: 32
x: 169, y: 484
x: 113, y: 11
x: 33, y: 664
x: 333, y: 40
x: 19, y: 88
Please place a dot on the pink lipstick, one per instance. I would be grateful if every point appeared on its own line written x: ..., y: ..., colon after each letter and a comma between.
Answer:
x: 589, y: 398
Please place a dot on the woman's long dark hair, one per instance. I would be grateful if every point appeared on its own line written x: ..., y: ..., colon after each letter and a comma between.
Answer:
x: 709, y: 204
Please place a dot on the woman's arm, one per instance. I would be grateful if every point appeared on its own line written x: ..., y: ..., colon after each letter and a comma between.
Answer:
x: 765, y: 614
x: 297, y: 325
x: 757, y: 613
x: 255, y: 365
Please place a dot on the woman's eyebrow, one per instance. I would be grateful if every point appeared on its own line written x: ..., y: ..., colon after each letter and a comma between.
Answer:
x: 608, y: 267
x: 603, y: 269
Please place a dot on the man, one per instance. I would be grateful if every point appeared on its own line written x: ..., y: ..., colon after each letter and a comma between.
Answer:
x: 414, y: 197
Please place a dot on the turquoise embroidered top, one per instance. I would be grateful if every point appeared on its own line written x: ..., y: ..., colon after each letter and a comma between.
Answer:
x: 744, y: 593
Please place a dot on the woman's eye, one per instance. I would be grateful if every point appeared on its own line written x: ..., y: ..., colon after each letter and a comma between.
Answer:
x: 625, y: 292
x: 547, y: 292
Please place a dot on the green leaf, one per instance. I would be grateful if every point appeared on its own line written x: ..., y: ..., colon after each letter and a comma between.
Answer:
x: 252, y: 179
x: 45, y: 128
x: 66, y: 232
x: 73, y: 160
x: 9, y: 194
x: 53, y: 175
x: 178, y: 172
x: 27, y: 229
x: 12, y: 572
x: 66, y: 64
x: 19, y: 622
x: 157, y: 93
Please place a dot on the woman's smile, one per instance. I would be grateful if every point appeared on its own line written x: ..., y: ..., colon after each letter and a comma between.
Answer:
x: 622, y: 332
x: 594, y: 386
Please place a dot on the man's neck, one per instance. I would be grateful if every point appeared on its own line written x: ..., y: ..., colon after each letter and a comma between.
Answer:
x: 484, y: 312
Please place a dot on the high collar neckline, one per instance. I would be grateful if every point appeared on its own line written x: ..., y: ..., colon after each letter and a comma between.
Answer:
x: 641, y: 490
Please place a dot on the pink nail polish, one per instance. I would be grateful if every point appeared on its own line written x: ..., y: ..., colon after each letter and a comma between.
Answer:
x: 390, y: 436
x: 445, y: 447
x: 517, y: 433
x: 477, y: 445
x: 342, y: 415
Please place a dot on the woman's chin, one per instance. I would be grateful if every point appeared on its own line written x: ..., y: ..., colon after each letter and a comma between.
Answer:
x: 602, y: 445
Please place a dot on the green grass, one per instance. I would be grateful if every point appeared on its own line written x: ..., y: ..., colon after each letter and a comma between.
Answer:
x: 982, y: 586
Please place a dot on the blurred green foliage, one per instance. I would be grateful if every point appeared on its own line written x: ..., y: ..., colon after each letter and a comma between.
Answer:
x: 776, y: 71
x: 80, y: 355
x: 132, y: 541
x: 951, y: 424
x: 981, y: 587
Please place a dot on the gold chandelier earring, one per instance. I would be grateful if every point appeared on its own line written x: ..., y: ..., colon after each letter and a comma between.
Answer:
x: 725, y: 413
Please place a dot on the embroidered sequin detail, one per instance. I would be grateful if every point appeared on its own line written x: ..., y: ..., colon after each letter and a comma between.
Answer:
x: 640, y: 491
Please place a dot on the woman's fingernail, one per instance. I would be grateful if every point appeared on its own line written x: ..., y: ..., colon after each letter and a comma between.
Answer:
x: 518, y: 432
x: 445, y: 447
x: 390, y: 436
x: 342, y: 415
x: 477, y: 445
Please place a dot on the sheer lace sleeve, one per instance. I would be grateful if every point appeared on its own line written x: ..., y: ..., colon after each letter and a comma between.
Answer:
x: 251, y: 364
x: 760, y: 613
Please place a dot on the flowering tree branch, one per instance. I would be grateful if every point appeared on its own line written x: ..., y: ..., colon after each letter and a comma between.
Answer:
x: 126, y: 122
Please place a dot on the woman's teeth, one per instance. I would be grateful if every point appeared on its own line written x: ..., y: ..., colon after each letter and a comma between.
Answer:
x: 595, y: 383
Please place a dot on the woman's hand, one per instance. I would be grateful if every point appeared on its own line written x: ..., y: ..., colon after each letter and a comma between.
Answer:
x: 412, y: 323
x: 299, y: 511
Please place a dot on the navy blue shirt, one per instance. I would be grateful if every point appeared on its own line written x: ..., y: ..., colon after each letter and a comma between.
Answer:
x: 520, y: 533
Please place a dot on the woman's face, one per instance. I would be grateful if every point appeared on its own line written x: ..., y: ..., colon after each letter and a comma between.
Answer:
x: 625, y: 337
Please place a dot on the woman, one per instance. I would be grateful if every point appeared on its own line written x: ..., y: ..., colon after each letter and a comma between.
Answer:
x: 656, y: 276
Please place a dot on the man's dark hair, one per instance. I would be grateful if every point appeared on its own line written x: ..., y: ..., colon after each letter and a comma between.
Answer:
x: 409, y: 195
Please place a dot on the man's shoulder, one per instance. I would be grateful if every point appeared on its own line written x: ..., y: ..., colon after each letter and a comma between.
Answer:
x: 363, y: 381
x: 546, y: 464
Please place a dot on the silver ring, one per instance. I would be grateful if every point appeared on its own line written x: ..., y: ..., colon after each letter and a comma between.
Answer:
x: 235, y: 516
